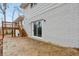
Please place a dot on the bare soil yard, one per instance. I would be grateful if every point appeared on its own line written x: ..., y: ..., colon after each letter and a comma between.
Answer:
x: 29, y: 47
x: 1, y: 46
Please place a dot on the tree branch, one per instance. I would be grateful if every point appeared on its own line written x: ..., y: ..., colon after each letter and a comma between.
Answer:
x: 1, y: 8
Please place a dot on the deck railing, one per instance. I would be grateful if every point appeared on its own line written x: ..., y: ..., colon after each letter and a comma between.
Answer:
x: 9, y: 24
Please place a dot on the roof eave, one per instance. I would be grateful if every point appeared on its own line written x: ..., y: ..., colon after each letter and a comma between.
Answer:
x: 24, y: 5
x: 20, y: 18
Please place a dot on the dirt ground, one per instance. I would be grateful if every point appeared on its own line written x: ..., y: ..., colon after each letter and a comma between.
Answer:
x: 29, y: 47
x: 1, y: 46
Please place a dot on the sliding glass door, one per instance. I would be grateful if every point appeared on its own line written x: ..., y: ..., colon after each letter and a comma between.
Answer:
x: 37, y: 28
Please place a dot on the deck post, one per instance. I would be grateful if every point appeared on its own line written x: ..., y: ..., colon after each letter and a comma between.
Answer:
x: 2, y: 30
x: 12, y: 29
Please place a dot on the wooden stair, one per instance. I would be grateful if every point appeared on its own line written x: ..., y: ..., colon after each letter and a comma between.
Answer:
x: 22, y: 32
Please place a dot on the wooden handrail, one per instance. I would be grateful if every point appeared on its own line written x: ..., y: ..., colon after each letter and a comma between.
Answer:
x: 8, y: 22
x: 5, y: 24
